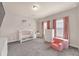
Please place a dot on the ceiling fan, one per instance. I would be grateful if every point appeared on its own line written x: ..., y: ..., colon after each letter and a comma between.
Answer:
x: 35, y: 7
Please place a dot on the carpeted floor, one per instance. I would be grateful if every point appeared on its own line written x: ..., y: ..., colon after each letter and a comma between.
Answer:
x: 38, y: 47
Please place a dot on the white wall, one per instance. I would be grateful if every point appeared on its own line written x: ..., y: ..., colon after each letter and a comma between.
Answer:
x: 12, y: 23
x: 73, y: 24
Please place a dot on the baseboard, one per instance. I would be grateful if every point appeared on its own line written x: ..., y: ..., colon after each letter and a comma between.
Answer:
x: 13, y: 41
x: 74, y: 46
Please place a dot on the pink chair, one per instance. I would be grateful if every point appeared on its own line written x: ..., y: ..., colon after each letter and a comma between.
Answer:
x: 59, y: 43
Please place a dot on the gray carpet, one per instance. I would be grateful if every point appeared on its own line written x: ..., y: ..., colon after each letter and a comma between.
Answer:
x: 38, y: 47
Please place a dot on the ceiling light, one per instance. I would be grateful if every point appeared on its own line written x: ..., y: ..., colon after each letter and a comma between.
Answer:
x: 35, y: 7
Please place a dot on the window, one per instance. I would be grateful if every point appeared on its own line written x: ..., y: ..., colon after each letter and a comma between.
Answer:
x: 59, y: 28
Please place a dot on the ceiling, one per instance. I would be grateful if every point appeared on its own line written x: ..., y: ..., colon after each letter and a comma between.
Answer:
x: 45, y: 8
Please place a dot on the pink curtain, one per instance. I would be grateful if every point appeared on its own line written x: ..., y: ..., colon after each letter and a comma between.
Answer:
x: 48, y: 24
x: 54, y: 26
x: 42, y: 24
x: 42, y: 28
x: 66, y: 27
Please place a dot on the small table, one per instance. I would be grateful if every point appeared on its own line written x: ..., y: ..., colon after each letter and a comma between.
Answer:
x: 35, y: 35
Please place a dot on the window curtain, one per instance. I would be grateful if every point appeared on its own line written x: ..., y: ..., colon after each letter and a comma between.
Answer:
x: 42, y: 28
x: 54, y: 26
x: 48, y: 24
x: 66, y: 27
x: 42, y: 24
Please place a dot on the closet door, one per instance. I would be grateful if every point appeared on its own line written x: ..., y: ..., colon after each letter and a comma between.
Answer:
x: 44, y: 27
